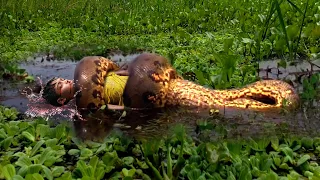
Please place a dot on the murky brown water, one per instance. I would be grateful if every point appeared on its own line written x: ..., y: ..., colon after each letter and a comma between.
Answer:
x: 143, y: 124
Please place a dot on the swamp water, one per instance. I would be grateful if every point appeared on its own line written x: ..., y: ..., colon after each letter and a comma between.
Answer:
x: 142, y: 124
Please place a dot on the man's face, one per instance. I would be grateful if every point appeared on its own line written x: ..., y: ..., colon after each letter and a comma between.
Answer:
x: 64, y: 88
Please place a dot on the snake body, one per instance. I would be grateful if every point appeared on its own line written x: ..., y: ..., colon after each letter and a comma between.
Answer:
x: 89, y: 81
x: 152, y: 82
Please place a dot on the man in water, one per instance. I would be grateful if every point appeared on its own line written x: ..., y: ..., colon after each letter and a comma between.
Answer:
x: 59, y: 91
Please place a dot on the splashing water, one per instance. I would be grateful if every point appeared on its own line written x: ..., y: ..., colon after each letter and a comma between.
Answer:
x: 39, y: 107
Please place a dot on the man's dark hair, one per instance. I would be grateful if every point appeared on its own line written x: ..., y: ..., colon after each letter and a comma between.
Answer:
x: 49, y: 93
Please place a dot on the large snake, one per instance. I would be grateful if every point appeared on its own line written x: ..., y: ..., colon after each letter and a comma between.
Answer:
x: 152, y: 82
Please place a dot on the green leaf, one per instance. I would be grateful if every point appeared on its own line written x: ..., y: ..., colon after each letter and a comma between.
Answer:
x: 73, y: 152
x: 57, y: 171
x: 28, y: 136
x: 9, y: 171
x: 307, y: 142
x: 110, y: 158
x: 303, y: 159
x: 36, y: 148
x: 85, y: 153
x: 7, y: 142
x: 194, y: 174
x: 35, y: 176
x: 65, y: 176
x: 23, y: 161
x: 94, y: 162
x: 17, y: 177
x: 34, y: 168
x: 47, y: 172
x: 128, y: 160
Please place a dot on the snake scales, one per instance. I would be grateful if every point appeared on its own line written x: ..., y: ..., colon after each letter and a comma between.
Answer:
x: 152, y: 83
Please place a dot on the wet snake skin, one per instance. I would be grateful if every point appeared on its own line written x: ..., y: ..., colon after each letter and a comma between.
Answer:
x: 160, y: 85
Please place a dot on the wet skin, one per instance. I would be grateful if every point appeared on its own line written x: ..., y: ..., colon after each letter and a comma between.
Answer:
x: 64, y: 88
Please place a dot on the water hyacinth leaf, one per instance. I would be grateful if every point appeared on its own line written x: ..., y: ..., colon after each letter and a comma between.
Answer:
x: 275, y: 143
x: 7, y: 142
x: 28, y: 136
x: 47, y: 172
x: 245, y: 173
x: 287, y: 151
x: 52, y: 142
x: 110, y: 158
x: 17, y: 177
x: 60, y: 131
x: 3, y: 134
x: 303, y: 159
x: 94, y: 162
x: 36, y: 148
x: 85, y: 153
x: 9, y: 171
x: 307, y: 142
x: 24, y: 161
x: 194, y: 174
x: 34, y: 168
x: 73, y: 152
x: 128, y: 173
x: 128, y: 160
x: 35, y: 176
x: 65, y: 176
x: 100, y: 171
x: 57, y: 171
x: 42, y: 130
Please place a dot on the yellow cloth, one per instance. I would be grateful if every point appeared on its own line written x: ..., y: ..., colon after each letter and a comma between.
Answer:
x: 113, y: 88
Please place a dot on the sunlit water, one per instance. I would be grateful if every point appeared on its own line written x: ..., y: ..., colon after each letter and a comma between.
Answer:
x: 229, y: 123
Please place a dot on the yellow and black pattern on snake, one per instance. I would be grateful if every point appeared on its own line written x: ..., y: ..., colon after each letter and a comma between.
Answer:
x: 153, y: 82
x: 148, y: 81
x: 89, y: 78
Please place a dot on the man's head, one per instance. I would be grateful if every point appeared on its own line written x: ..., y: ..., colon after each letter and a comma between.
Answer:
x: 58, y: 91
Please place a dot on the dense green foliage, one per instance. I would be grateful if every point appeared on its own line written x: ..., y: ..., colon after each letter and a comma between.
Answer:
x: 35, y: 150
x: 221, y: 42
x: 196, y: 35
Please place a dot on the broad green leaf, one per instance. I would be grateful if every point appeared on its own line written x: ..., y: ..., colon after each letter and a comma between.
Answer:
x: 128, y: 160
x: 34, y: 176
x: 17, y: 177
x: 36, y: 148
x: 100, y: 171
x: 110, y: 158
x: 52, y: 142
x: 47, y: 172
x: 85, y: 153
x: 9, y: 171
x: 307, y: 142
x: 3, y: 134
x: 24, y: 161
x: 303, y: 159
x: 94, y: 162
x: 74, y: 152
x: 6, y: 143
x: 34, y: 168
x: 65, y: 176
x: 28, y: 136
x: 57, y: 171
x: 46, y: 155
x: 194, y: 174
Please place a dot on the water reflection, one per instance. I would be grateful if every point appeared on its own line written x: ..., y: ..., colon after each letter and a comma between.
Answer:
x: 199, y: 124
